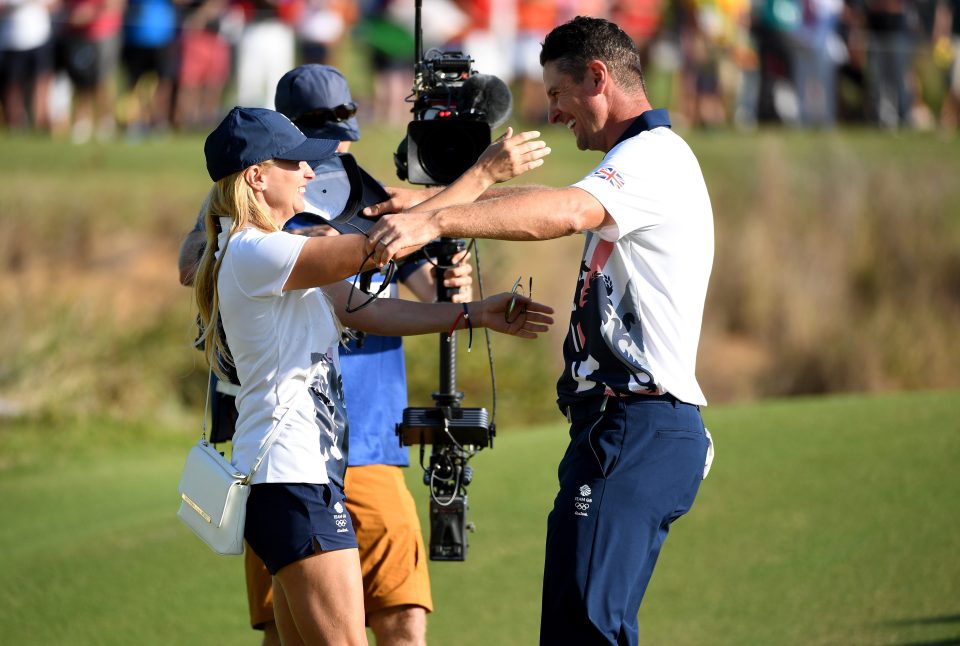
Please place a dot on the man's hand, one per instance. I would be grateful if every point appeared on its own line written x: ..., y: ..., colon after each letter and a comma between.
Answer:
x: 512, y: 155
x: 528, y: 321
x: 191, y: 250
x: 400, y: 234
x: 460, y: 276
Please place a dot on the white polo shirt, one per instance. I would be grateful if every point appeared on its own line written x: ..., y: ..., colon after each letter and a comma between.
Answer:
x: 638, y: 307
x: 284, y: 344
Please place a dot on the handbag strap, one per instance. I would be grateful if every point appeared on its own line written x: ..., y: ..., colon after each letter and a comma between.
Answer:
x: 266, y: 445
x: 206, y: 409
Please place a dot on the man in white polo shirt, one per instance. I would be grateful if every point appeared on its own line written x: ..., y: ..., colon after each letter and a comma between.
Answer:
x: 638, y: 445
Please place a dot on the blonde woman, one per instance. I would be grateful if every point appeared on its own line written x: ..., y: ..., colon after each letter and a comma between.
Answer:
x: 282, y: 332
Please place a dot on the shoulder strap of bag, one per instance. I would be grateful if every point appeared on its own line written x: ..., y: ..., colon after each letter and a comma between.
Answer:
x: 206, y: 409
x: 266, y: 445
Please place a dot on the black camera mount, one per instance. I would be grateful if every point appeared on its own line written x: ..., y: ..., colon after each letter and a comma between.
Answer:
x: 455, y: 433
x: 454, y: 112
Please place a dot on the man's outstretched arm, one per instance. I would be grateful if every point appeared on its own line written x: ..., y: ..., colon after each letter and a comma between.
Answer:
x: 531, y: 215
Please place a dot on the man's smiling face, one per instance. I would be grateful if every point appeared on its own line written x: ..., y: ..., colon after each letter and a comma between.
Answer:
x: 574, y: 105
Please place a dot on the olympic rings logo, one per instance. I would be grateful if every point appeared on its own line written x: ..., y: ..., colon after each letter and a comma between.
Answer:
x: 582, y: 506
x: 341, y: 523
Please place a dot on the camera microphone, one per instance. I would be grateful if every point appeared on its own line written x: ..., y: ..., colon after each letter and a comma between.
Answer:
x: 488, y: 95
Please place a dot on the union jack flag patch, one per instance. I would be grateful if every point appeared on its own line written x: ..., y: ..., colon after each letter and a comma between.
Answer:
x: 610, y: 174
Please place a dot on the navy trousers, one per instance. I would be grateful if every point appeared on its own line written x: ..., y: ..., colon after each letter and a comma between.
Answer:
x: 633, y: 467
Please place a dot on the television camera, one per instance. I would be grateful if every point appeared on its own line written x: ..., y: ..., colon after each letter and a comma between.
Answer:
x: 454, y: 110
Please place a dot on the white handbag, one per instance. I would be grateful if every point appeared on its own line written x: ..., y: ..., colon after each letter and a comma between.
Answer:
x: 213, y: 493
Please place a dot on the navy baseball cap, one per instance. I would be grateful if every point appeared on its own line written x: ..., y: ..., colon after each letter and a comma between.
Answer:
x: 248, y: 136
x: 310, y: 88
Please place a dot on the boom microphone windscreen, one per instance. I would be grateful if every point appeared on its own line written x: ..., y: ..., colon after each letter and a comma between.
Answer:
x: 487, y: 94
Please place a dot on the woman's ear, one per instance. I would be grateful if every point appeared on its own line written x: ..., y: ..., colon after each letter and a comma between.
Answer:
x: 253, y: 176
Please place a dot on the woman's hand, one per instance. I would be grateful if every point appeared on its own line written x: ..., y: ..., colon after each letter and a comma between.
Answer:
x: 512, y: 155
x: 525, y: 319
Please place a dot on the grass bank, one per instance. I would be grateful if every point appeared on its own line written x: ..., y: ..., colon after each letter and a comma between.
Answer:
x: 837, y: 265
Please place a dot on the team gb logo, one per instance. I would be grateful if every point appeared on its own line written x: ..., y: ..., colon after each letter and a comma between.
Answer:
x: 610, y: 174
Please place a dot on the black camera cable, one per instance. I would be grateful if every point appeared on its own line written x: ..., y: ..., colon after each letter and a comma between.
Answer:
x: 486, y: 335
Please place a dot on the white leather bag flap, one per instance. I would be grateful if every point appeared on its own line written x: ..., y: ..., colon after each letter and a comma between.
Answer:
x: 205, y: 478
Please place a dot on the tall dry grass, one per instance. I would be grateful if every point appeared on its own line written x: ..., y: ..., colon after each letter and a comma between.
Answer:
x: 841, y: 264
x: 837, y: 269
x: 94, y: 321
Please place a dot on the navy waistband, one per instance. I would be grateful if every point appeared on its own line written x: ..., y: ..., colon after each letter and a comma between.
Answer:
x: 582, y: 409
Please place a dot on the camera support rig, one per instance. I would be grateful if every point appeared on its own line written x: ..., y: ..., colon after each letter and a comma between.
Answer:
x: 455, y: 433
x: 453, y: 112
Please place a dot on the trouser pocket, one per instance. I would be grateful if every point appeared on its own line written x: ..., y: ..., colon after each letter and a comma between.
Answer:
x: 605, y: 440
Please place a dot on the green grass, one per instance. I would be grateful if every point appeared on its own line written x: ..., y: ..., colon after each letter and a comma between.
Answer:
x: 824, y: 521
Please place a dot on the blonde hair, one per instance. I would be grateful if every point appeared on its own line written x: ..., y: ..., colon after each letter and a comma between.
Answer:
x: 229, y: 197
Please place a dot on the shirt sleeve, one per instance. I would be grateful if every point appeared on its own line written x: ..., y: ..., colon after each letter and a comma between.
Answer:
x: 263, y: 263
x: 628, y: 189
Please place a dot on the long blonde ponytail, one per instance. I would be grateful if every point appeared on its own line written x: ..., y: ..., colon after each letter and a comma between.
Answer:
x: 229, y: 197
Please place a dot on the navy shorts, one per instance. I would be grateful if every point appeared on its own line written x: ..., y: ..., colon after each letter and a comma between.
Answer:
x: 289, y: 522
x: 633, y: 466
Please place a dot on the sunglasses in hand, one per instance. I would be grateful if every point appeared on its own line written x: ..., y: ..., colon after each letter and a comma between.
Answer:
x: 513, y: 312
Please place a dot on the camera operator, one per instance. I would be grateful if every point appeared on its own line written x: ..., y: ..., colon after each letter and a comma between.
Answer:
x: 396, y: 583
x: 638, y: 448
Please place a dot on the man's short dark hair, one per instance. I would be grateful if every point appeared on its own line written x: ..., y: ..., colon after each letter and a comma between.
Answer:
x: 574, y: 44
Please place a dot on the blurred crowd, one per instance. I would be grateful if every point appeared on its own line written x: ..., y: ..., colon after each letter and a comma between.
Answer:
x: 98, y: 68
